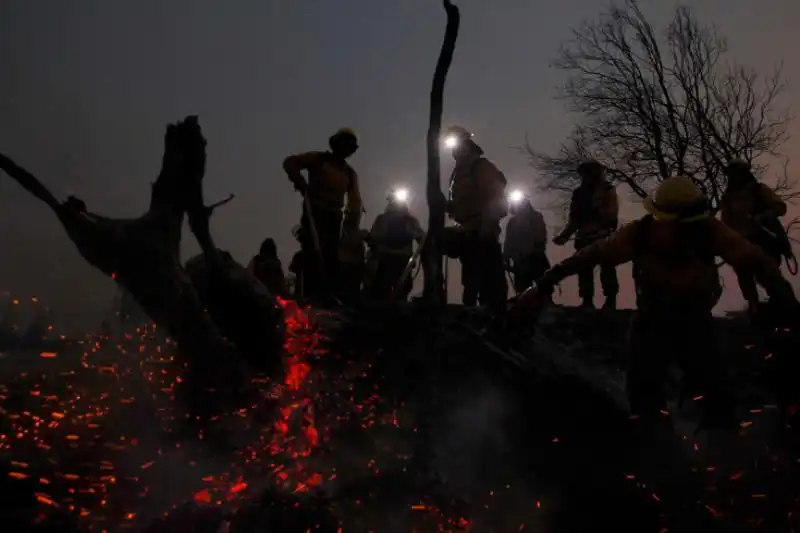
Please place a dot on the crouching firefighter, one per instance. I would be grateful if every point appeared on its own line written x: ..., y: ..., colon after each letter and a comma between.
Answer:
x: 593, y: 215
x: 392, y: 240
x: 525, y: 242
x: 477, y: 205
x: 673, y: 251
x: 267, y: 268
x: 753, y: 210
x: 330, y: 180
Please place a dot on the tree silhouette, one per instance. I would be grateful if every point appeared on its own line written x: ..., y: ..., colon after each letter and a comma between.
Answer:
x: 658, y: 104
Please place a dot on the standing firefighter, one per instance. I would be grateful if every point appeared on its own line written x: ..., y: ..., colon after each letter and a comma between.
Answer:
x: 673, y: 251
x: 267, y: 268
x: 753, y: 210
x: 525, y: 243
x: 392, y: 239
x: 330, y: 180
x: 593, y: 215
x: 477, y: 205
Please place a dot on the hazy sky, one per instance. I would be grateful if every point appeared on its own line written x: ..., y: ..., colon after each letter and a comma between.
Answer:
x: 88, y: 86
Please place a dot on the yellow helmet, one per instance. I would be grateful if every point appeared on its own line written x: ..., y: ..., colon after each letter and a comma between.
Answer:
x: 458, y: 131
x: 350, y: 132
x: 678, y: 198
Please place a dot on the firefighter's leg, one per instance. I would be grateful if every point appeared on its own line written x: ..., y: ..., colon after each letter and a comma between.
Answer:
x: 585, y: 279
x: 610, y: 285
x: 470, y: 271
x: 747, y: 284
x: 539, y: 265
x: 329, y: 227
x: 493, y: 287
x: 649, y: 354
x: 309, y: 263
x: 524, y: 273
x: 705, y: 375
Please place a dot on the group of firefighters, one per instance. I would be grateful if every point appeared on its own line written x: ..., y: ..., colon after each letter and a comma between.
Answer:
x: 673, y: 250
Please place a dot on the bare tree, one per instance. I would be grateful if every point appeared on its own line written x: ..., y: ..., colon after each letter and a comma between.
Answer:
x: 658, y: 104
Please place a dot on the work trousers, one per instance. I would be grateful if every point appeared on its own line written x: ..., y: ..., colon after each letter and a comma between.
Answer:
x: 387, y: 276
x: 528, y: 269
x: 320, y: 267
x: 656, y: 339
x: 608, y: 276
x: 483, y: 275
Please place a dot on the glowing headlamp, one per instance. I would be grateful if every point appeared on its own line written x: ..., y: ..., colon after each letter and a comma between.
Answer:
x: 516, y: 196
x: 400, y: 195
x: 451, y: 141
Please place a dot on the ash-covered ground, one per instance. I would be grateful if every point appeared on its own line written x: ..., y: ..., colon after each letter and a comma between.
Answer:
x: 390, y: 420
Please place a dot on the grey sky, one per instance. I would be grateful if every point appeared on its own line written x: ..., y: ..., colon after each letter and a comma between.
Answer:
x: 90, y: 84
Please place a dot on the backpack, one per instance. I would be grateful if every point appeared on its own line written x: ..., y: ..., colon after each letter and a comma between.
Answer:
x: 696, y: 248
x: 398, y: 230
x: 582, y: 206
x: 772, y: 235
x: 471, y: 173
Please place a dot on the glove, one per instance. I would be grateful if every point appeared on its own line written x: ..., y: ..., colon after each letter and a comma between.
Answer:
x: 560, y: 240
x: 300, y: 185
x: 546, y: 284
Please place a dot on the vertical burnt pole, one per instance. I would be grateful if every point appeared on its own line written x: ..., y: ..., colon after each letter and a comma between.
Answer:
x: 437, y: 203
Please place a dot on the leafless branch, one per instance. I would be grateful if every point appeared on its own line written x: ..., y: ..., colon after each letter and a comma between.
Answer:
x: 657, y: 103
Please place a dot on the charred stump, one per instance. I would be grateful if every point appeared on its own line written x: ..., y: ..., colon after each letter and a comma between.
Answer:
x: 142, y: 256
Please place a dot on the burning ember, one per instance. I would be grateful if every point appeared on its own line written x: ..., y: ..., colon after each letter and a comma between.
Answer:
x: 94, y: 430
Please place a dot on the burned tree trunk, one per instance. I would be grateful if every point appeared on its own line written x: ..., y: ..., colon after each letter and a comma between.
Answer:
x: 437, y: 203
x: 142, y: 256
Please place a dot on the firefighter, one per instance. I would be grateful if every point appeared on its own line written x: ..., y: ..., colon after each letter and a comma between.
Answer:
x: 392, y: 240
x: 525, y: 242
x: 673, y: 250
x: 753, y: 210
x: 330, y: 180
x: 267, y: 268
x: 593, y: 215
x: 477, y: 205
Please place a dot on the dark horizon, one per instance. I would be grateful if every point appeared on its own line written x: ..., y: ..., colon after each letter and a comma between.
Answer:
x: 89, y: 87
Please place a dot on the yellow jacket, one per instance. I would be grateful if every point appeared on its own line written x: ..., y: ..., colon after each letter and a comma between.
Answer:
x: 329, y: 180
x: 662, y: 266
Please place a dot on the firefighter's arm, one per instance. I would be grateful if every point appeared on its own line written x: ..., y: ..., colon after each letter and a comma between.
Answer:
x: 745, y: 256
x: 416, y: 230
x: 725, y: 212
x: 774, y: 203
x: 354, y: 202
x: 614, y: 250
x: 492, y: 185
x: 378, y: 230
x: 294, y: 165
x: 539, y: 230
x: 511, y: 243
x: 572, y: 224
